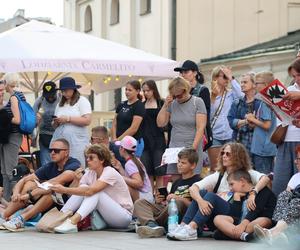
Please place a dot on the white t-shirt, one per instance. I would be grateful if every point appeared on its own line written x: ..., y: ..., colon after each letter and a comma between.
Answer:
x: 293, y: 133
x: 80, y: 108
x: 210, y: 181
x: 294, y: 181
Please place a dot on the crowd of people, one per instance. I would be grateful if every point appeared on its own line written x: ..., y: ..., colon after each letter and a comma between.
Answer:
x: 251, y: 192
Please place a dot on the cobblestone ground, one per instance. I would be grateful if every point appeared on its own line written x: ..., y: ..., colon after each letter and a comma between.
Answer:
x: 115, y: 240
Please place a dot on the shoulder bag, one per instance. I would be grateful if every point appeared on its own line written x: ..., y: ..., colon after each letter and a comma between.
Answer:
x: 278, y: 135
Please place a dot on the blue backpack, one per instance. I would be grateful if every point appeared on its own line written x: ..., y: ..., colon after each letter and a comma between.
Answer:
x: 27, y: 117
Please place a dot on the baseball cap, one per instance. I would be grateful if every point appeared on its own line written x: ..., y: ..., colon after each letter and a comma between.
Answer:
x: 20, y: 171
x: 128, y: 142
x: 187, y: 65
x: 49, y: 89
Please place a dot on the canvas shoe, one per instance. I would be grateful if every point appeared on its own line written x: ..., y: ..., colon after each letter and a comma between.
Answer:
x: 15, y: 224
x: 186, y: 233
x: 266, y: 236
x: 151, y: 230
x: 66, y: 227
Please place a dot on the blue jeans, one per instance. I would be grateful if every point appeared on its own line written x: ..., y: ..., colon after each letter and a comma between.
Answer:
x: 139, y: 148
x: 44, y: 154
x: 284, y: 167
x: 220, y: 207
x: 263, y: 164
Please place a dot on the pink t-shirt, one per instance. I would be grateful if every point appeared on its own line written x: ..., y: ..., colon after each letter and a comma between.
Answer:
x: 117, y: 188
x: 131, y: 168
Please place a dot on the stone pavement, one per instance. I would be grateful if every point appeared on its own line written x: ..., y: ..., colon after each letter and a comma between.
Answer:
x: 90, y: 240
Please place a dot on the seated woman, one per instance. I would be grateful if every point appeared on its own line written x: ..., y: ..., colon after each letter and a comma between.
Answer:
x: 210, y: 195
x: 134, y: 174
x: 101, y: 188
x: 287, y: 210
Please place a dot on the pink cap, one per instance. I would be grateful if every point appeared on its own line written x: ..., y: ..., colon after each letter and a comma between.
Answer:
x: 128, y: 142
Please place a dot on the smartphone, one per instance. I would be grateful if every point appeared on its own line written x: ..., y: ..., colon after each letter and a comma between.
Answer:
x: 54, y: 116
x: 83, y: 171
x: 163, y: 191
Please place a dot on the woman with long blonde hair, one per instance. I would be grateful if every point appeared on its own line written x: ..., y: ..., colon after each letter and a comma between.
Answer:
x: 221, y: 99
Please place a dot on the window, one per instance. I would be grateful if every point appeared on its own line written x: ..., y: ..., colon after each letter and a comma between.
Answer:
x: 145, y: 7
x: 114, y: 12
x: 88, y: 21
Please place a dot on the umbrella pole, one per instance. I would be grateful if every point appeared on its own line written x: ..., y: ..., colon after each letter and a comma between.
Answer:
x: 36, y: 84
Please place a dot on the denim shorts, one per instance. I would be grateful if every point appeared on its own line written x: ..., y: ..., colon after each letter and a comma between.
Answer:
x: 219, y: 143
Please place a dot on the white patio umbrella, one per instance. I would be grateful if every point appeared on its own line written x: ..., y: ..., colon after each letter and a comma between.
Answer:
x: 42, y: 52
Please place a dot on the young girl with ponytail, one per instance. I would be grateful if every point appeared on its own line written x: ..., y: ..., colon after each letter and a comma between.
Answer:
x: 134, y: 174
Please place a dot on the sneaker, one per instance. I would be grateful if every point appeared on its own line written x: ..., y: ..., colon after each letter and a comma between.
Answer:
x: 186, y: 233
x: 1, y: 223
x: 66, y: 227
x: 15, y: 224
x: 170, y: 235
x: 151, y: 230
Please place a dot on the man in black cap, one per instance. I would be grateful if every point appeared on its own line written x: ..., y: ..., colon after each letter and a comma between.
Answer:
x: 44, y: 107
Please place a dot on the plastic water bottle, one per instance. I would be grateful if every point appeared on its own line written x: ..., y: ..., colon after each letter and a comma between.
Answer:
x: 173, y: 215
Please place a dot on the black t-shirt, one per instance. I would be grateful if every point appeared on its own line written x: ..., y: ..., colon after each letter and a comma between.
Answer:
x: 181, y: 186
x: 125, y: 116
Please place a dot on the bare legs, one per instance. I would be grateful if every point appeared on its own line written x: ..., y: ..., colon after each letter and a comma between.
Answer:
x: 213, y: 157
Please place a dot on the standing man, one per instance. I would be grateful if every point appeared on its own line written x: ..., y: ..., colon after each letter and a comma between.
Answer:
x: 44, y: 107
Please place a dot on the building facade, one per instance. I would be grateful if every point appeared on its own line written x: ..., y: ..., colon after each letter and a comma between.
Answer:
x: 185, y: 29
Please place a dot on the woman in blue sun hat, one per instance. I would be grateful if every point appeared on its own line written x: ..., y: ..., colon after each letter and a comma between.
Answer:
x: 71, y: 118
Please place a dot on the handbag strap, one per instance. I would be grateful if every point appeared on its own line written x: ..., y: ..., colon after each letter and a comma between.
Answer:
x: 218, y: 111
x: 218, y: 183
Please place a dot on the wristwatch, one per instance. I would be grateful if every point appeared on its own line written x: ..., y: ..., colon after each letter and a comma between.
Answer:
x: 31, y: 198
x: 253, y: 191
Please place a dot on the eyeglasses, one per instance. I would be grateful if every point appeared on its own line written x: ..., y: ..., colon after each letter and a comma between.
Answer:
x: 297, y: 159
x: 228, y: 154
x: 90, y: 158
x: 257, y: 83
x: 57, y: 150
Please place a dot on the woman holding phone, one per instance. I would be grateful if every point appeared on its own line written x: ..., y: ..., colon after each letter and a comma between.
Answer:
x: 71, y: 118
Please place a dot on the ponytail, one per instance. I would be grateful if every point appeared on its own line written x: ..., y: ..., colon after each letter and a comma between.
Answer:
x: 138, y: 163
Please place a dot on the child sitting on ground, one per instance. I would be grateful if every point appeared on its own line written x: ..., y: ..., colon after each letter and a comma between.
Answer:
x: 238, y: 224
x: 134, y: 174
x: 153, y: 217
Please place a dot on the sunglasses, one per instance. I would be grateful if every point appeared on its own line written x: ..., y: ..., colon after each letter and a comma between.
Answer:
x: 97, y: 138
x: 223, y: 76
x: 57, y: 150
x: 228, y: 154
x: 179, y: 96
